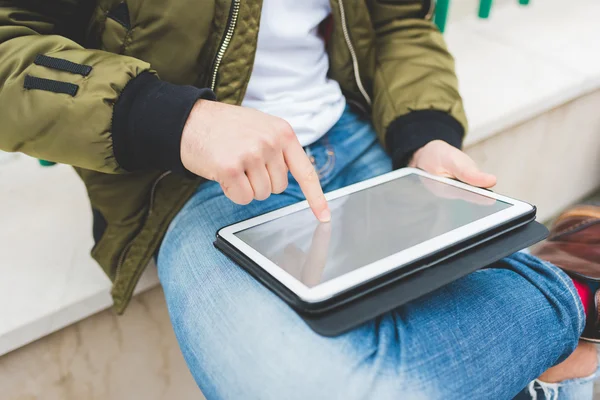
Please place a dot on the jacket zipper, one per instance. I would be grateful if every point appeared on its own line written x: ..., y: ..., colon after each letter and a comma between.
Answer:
x: 361, y: 88
x: 429, y: 14
x: 231, y: 22
x: 130, y: 243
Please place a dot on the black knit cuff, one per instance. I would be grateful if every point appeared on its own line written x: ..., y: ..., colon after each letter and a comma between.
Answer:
x: 148, y: 121
x: 410, y: 132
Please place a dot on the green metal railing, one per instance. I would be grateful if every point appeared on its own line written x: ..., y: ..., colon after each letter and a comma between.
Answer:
x: 442, y: 7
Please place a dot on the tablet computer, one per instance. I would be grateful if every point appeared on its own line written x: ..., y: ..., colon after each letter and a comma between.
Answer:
x: 378, y: 227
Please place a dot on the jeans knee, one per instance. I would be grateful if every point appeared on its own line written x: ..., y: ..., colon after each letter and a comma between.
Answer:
x: 559, y: 293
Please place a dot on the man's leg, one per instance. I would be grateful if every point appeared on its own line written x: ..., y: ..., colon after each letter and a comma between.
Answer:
x: 571, y: 379
x: 484, y: 336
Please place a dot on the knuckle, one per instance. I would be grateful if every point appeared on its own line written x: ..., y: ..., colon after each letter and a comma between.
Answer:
x: 231, y: 170
x: 285, y: 131
x: 310, y: 175
x: 225, y: 189
x: 319, y: 202
x: 253, y: 156
x: 269, y: 142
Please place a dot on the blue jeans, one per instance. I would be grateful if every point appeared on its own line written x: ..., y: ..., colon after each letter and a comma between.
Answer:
x: 485, y: 336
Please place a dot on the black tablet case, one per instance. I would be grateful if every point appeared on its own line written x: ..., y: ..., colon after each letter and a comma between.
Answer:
x: 407, y: 285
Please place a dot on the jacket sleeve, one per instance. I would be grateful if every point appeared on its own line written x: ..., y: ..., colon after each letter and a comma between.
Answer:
x: 87, y: 108
x: 415, y: 89
x: 56, y: 97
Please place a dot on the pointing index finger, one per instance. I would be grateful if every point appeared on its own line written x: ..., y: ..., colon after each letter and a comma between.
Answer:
x: 304, y: 172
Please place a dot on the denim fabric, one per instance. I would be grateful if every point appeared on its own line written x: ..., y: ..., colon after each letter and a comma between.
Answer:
x: 485, y: 336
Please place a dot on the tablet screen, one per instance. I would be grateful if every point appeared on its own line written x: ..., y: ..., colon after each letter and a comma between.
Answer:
x: 366, y: 226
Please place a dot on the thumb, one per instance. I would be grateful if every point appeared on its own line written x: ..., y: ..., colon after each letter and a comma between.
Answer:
x: 465, y: 169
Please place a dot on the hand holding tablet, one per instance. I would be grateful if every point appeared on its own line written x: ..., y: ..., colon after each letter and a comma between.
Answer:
x: 439, y: 158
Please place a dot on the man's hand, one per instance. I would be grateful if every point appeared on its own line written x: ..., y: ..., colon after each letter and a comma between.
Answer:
x: 439, y: 158
x: 248, y: 153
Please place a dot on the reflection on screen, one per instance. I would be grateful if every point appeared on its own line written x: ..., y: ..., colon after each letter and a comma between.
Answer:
x: 367, y: 226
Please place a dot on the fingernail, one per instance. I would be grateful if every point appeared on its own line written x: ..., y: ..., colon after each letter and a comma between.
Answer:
x: 325, y: 215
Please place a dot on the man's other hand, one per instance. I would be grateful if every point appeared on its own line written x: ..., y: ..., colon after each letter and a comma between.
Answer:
x: 439, y: 158
x: 248, y: 153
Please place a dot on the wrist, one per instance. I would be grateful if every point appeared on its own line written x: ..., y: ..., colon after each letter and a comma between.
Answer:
x: 148, y: 123
x: 418, y: 155
x: 192, y: 130
x: 413, y: 162
x: 408, y: 134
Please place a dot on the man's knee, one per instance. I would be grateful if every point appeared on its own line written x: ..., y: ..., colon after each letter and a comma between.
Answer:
x: 582, y: 363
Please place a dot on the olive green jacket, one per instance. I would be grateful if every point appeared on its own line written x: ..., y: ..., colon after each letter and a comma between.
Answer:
x: 64, y: 64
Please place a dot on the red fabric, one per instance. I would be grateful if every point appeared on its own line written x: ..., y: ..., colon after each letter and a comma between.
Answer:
x: 326, y: 28
x: 585, y: 294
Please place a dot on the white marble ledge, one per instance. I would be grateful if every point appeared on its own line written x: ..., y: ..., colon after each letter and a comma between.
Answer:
x: 521, y: 62
x: 524, y: 60
x: 48, y: 279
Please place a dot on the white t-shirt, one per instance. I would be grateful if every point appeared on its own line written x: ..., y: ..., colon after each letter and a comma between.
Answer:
x: 289, y: 78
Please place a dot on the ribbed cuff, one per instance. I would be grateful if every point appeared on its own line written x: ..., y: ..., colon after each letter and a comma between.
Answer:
x: 410, y: 132
x: 148, y: 121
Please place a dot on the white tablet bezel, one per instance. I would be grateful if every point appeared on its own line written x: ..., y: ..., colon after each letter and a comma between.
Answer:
x: 330, y: 288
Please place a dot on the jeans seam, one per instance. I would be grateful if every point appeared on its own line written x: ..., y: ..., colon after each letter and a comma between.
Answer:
x: 329, y: 164
x: 578, y: 305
